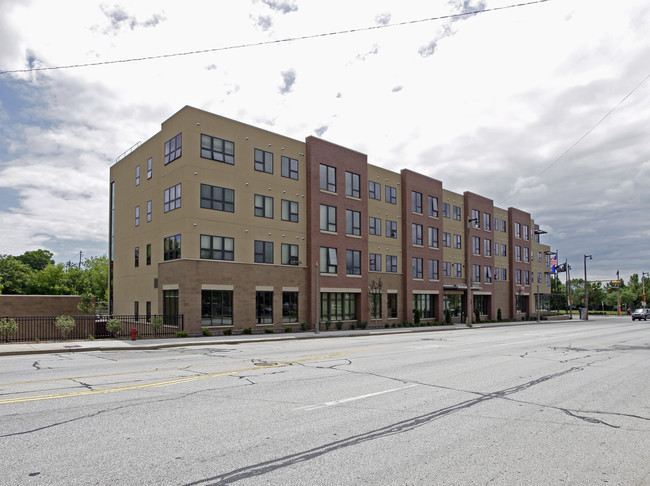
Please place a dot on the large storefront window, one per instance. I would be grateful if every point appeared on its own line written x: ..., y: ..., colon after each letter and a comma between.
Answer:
x: 336, y: 306
x: 170, y: 306
x: 216, y: 307
x: 289, y: 306
x: 454, y: 304
x: 264, y: 307
x: 425, y: 304
x: 481, y: 302
x: 391, y: 305
x: 375, y: 306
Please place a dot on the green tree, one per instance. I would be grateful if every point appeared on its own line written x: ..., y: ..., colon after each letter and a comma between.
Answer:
x: 49, y: 281
x: 37, y: 259
x: 16, y: 275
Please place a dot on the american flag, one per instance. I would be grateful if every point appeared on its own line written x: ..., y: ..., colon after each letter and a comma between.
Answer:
x: 553, y: 262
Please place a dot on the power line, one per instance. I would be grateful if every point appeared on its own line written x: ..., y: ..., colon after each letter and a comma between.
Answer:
x: 271, y: 42
x: 586, y: 134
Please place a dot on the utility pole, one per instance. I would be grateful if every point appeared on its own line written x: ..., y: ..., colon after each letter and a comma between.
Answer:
x: 568, y: 287
x: 586, y: 290
x: 317, y: 323
x: 618, y: 296
x: 80, y: 253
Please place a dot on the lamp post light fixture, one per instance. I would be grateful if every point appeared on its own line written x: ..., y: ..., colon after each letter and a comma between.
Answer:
x: 643, y: 274
x: 586, y: 289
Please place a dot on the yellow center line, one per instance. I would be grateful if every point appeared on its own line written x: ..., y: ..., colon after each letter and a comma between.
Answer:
x: 155, y: 384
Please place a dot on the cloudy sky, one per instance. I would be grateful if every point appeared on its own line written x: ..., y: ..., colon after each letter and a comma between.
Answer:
x: 542, y: 105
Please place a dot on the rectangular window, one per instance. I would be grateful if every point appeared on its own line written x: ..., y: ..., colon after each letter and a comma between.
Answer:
x: 289, y: 254
x: 149, y: 167
x: 504, y: 274
x: 433, y: 270
x: 391, y: 195
x: 172, y: 198
x: 338, y: 306
x: 263, y: 251
x: 263, y: 307
x: 526, y: 229
x: 487, y: 246
x: 446, y: 269
x: 327, y: 218
x: 375, y: 305
x: 263, y: 206
x: 487, y: 223
x: 416, y: 264
x: 391, y: 229
x: 446, y: 210
x: 289, y: 211
x: 170, y: 305
x: 149, y: 211
x: 433, y: 206
x: 458, y: 270
x: 391, y: 263
x: 476, y: 216
x: 457, y: 213
x: 214, y: 148
x: 328, y: 260
x: 137, y: 175
x: 503, y: 250
x: 458, y: 241
x: 172, y: 247
x: 137, y: 215
x: 148, y: 310
x: 217, y: 198
x: 424, y: 303
x: 526, y: 253
x: 391, y: 304
x: 433, y: 237
x: 539, y: 278
x: 517, y: 253
x: 374, y: 190
x: 503, y: 225
x: 518, y: 277
x: 517, y: 230
x: 137, y: 256
x: 264, y: 161
x: 289, y: 168
x: 375, y: 262
x: 289, y: 306
x: 446, y: 239
x: 416, y: 202
x: 352, y: 222
x: 217, y: 248
x: 488, y: 274
x: 375, y: 226
x: 526, y: 277
x: 352, y: 262
x: 352, y: 184
x: 327, y: 178
x: 149, y: 254
x: 416, y: 234
x: 476, y: 273
x: 476, y: 245
x: 216, y: 307
x: 173, y: 148
x: 496, y: 270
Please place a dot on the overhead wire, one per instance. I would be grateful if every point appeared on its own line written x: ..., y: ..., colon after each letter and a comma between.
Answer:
x: 271, y: 42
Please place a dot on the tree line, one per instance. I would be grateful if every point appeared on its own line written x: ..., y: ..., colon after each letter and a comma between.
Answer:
x: 601, y: 294
x: 36, y: 273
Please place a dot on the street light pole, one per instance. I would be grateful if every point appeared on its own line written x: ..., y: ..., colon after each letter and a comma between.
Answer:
x: 317, y: 323
x: 643, y: 274
x: 586, y: 290
x: 568, y: 287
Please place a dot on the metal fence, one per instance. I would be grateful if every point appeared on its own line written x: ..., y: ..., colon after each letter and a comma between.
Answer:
x: 43, y: 328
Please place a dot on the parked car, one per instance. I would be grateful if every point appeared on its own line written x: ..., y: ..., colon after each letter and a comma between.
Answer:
x: 641, y: 313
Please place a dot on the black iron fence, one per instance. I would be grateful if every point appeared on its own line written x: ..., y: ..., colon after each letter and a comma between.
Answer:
x: 43, y: 328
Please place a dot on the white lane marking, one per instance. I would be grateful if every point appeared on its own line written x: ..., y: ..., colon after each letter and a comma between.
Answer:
x: 351, y: 399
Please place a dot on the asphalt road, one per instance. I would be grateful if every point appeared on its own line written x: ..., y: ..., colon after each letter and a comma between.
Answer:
x: 564, y: 403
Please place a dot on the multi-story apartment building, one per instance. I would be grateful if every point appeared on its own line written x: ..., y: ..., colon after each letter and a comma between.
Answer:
x: 234, y: 226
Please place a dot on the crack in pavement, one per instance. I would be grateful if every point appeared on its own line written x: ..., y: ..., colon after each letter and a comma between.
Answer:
x: 248, y: 472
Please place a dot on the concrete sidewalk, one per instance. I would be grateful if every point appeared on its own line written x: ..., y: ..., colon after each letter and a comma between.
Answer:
x: 122, y: 345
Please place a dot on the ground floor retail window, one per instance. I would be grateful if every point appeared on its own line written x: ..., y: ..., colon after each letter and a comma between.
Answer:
x: 289, y: 306
x: 482, y: 302
x: 338, y: 306
x: 170, y: 305
x: 425, y: 304
x: 522, y: 303
x: 216, y: 307
x: 263, y: 307
x: 453, y: 303
x: 543, y: 302
x: 375, y: 306
x: 391, y: 306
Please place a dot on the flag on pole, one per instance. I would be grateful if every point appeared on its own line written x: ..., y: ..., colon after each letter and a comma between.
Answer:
x: 553, y: 262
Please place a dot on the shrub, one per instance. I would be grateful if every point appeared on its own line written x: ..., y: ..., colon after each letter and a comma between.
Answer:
x: 288, y: 329
x: 247, y: 330
x: 206, y: 331
x: 180, y: 334
x: 227, y: 332
x: 304, y: 326
x: 352, y: 326
x: 8, y: 327
x: 328, y: 324
x: 268, y: 330
x: 447, y: 316
x: 416, y: 316
x: 499, y: 315
x: 114, y: 326
x: 91, y: 337
x: 477, y: 315
x: 65, y: 324
x: 362, y: 324
x: 87, y: 304
x: 386, y: 325
x: 339, y: 325
x: 157, y: 324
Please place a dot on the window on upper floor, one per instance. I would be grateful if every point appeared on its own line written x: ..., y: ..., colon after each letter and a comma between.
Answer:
x: 433, y: 206
x: 375, y: 226
x: 416, y: 267
x: 149, y: 167
x: 391, y: 263
x: 374, y: 190
x: 173, y: 148
x: 149, y: 209
x: 458, y: 270
x: 391, y: 229
x: 172, y: 198
x: 352, y: 262
x: 172, y: 247
x: 214, y: 148
x: 433, y: 270
x: 217, y: 248
x: 263, y: 161
x: 457, y: 212
x: 137, y: 256
x: 446, y: 269
x: 328, y: 218
x: 391, y: 195
x: 476, y: 245
x: 290, y: 211
x: 416, y: 234
x: 263, y: 251
x: 487, y: 221
x: 375, y: 262
x: 476, y: 273
x: 526, y: 229
x: 433, y: 237
x: 263, y: 206
x: 328, y: 260
x: 446, y: 239
x: 517, y: 230
x: 446, y: 210
x: 458, y: 242
x: 327, y: 178
x: 517, y: 253
x: 137, y: 175
x: 289, y: 254
x: 487, y: 246
x: 289, y: 168
x: 352, y: 184
x: 217, y: 198
x: 352, y: 222
x: 416, y: 202
x: 137, y: 215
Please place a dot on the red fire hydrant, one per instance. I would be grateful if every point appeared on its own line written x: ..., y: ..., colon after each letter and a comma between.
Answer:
x: 134, y: 333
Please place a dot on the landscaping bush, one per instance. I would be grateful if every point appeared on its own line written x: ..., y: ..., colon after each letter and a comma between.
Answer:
x: 339, y: 325
x: 7, y: 328
x: 247, y: 330
x: 65, y: 324
x: 181, y: 334
x: 207, y: 332
x: 268, y: 330
x: 304, y: 326
x: 227, y: 332
x: 157, y: 324
x: 288, y: 329
x: 114, y: 326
